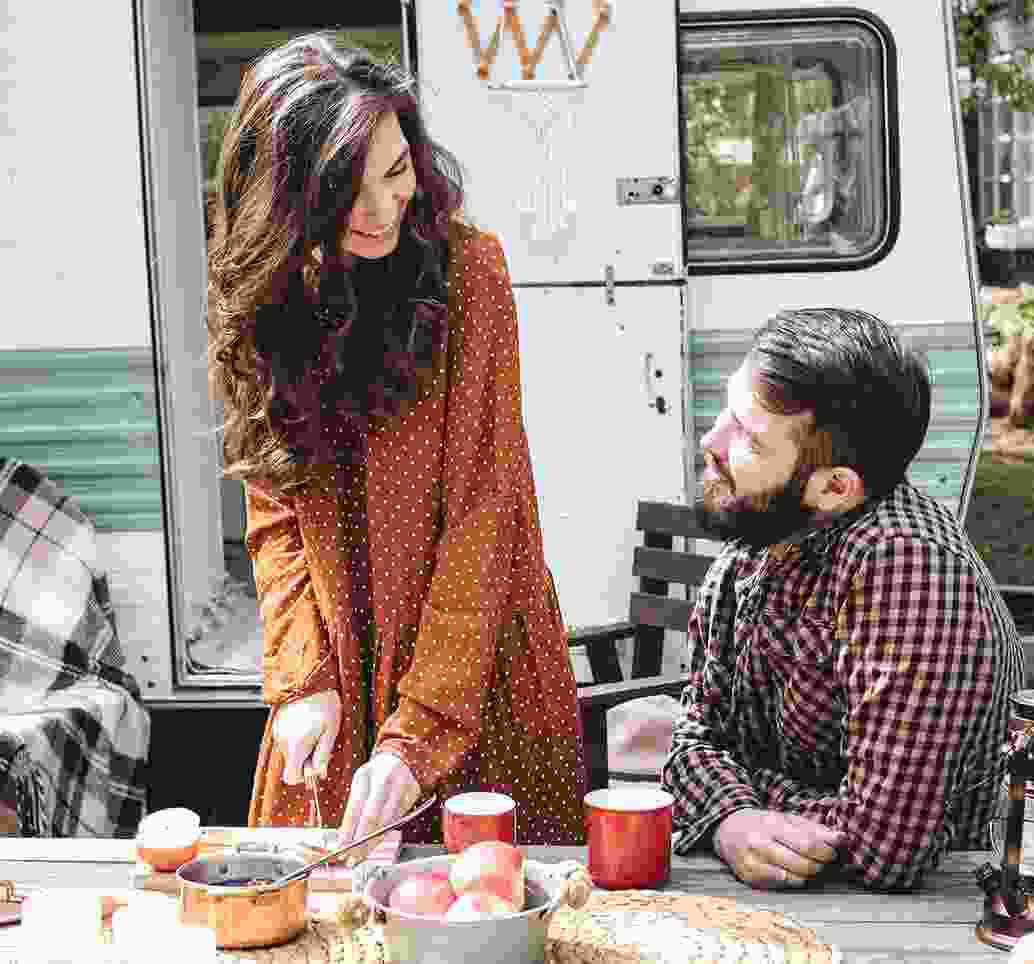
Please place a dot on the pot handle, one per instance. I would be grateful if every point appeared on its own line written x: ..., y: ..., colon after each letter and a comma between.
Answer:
x: 257, y: 847
x: 353, y: 912
x: 575, y: 885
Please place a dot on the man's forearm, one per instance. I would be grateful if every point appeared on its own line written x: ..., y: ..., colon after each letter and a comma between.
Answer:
x: 778, y: 791
x: 707, y: 786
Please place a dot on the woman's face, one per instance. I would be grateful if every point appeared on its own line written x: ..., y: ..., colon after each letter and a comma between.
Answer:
x: 388, y: 183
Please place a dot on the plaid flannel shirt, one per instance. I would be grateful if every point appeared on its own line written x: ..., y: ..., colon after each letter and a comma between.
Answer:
x: 74, y: 734
x: 860, y: 678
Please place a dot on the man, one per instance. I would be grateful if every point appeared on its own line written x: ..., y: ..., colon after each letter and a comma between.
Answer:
x: 851, y: 656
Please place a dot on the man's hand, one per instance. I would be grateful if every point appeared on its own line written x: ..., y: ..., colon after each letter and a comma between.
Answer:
x: 307, y: 726
x: 769, y: 849
x: 383, y: 789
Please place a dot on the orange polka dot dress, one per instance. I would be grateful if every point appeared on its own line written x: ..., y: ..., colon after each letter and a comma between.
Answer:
x: 438, y: 535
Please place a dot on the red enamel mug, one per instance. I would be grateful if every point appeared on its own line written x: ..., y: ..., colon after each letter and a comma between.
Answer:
x: 629, y: 836
x: 470, y: 818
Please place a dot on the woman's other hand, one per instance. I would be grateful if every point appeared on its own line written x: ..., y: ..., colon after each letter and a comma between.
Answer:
x: 304, y: 728
x: 383, y: 789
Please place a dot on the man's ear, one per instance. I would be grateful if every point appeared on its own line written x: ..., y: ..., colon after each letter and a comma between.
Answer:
x: 834, y: 491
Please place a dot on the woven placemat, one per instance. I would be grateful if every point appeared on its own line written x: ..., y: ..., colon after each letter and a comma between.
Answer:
x: 648, y: 927
x: 323, y: 942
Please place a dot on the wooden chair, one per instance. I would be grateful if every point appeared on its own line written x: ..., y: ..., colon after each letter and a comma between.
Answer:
x: 657, y: 564
x: 1021, y: 604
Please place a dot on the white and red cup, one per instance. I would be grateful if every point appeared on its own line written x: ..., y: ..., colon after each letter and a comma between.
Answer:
x: 470, y: 818
x: 629, y: 836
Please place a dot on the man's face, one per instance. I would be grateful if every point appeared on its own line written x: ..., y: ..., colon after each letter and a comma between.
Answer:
x: 754, y: 486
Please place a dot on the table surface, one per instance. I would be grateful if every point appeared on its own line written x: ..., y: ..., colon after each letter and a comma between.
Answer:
x: 934, y: 924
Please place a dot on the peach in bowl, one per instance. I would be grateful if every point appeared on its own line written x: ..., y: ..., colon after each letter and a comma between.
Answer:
x: 167, y: 839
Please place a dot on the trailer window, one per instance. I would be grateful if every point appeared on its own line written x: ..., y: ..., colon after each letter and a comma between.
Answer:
x: 787, y: 143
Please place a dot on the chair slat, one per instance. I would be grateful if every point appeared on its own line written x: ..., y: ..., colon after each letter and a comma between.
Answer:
x: 610, y: 632
x: 648, y: 654
x: 659, y: 611
x: 599, y: 643
x: 609, y: 695
x: 680, y: 567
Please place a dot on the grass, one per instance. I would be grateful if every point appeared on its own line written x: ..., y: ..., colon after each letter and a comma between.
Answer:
x: 384, y: 43
x: 1000, y: 519
x: 996, y: 478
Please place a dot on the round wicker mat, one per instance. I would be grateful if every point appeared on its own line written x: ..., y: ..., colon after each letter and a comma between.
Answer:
x: 644, y: 927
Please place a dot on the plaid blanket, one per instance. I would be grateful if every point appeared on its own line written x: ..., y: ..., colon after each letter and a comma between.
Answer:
x: 74, y: 734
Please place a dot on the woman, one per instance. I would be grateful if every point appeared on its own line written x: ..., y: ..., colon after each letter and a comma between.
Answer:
x: 364, y: 345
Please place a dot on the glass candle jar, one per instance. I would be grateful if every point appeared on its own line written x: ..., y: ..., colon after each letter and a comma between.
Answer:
x: 1019, y: 833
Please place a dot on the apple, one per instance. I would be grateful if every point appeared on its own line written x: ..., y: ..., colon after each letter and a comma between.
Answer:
x: 478, y: 905
x: 168, y: 838
x: 426, y: 894
x: 493, y: 867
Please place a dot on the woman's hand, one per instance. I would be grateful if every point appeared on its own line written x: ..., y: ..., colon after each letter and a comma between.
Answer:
x: 383, y: 789
x: 766, y: 848
x: 308, y: 726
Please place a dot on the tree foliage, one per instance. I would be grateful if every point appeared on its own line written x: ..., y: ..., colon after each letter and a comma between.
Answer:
x: 994, y: 72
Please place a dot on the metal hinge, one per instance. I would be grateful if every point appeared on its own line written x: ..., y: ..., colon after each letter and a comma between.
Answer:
x: 608, y: 280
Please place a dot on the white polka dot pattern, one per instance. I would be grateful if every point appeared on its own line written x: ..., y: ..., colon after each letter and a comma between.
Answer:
x: 473, y: 686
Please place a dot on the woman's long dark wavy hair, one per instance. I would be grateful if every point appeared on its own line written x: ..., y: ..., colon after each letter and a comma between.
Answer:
x: 299, y: 343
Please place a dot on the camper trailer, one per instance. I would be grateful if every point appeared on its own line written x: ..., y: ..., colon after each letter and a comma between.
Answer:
x: 663, y: 176
x: 712, y: 162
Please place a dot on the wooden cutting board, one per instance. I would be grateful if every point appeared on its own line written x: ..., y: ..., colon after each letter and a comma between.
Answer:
x: 335, y: 877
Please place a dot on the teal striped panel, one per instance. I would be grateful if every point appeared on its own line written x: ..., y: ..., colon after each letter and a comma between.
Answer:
x: 950, y: 350
x: 88, y: 419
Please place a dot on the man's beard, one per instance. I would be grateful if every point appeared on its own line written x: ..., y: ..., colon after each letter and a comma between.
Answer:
x: 759, y: 520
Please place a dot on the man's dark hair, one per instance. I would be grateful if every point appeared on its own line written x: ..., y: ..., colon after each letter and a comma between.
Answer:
x: 869, y: 395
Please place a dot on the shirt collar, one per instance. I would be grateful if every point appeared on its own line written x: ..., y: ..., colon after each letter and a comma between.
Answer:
x: 817, y: 538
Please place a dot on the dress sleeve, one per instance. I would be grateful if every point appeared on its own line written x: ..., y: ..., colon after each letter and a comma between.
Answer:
x: 297, y: 659
x: 438, y: 720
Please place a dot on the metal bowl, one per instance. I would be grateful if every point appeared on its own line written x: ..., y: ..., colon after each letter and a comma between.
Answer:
x: 213, y: 893
x: 515, y: 939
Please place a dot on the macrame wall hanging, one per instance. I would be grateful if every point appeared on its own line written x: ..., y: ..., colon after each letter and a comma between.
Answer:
x: 555, y: 24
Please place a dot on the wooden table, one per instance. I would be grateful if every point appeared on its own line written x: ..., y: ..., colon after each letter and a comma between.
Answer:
x: 934, y: 924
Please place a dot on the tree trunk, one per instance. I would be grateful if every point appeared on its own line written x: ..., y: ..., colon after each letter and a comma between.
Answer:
x: 1021, y: 401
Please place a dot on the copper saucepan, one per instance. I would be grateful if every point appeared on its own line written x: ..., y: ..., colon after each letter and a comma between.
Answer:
x: 242, y: 896
x: 227, y: 892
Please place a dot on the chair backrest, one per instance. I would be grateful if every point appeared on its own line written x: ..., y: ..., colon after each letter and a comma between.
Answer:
x: 658, y: 565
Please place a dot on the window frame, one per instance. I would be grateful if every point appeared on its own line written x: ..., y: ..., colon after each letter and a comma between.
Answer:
x: 890, y: 181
